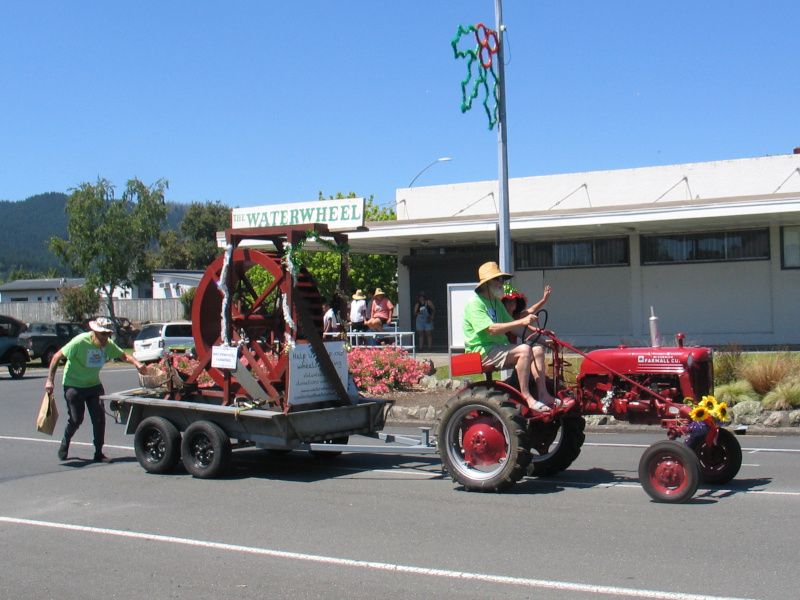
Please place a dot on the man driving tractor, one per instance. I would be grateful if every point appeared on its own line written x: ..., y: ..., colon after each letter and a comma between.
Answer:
x: 486, y: 323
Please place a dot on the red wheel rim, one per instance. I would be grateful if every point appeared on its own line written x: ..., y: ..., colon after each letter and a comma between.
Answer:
x: 483, y: 441
x: 668, y: 474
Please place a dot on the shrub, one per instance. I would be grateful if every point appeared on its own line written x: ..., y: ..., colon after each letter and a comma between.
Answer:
x: 735, y: 392
x: 765, y: 371
x: 380, y: 370
x: 727, y: 364
x: 784, y: 396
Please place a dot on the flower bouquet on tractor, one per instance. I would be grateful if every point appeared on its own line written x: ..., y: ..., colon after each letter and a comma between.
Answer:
x: 488, y: 437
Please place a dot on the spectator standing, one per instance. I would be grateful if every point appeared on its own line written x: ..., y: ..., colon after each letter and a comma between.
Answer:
x: 424, y: 311
x: 330, y: 325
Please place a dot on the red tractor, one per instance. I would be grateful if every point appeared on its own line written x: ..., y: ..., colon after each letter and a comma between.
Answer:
x: 488, y: 438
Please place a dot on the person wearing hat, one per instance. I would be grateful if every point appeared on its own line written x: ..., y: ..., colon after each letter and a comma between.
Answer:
x: 516, y: 303
x: 358, y: 311
x: 486, y: 323
x: 381, y: 312
x: 86, y: 354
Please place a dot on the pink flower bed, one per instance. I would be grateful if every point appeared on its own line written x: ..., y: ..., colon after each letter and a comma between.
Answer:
x: 378, y: 370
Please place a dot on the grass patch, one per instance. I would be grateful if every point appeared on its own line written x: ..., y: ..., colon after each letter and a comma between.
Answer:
x: 765, y: 371
x: 735, y: 392
x: 784, y: 396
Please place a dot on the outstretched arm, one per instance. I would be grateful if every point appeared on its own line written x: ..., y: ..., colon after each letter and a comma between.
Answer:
x: 537, y: 307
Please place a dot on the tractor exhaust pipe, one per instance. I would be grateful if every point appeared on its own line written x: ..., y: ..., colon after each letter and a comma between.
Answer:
x: 655, y: 337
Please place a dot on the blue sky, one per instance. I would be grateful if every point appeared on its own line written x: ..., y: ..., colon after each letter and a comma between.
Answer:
x: 269, y: 102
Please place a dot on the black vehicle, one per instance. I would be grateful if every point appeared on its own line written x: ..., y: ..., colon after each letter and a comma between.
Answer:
x: 12, y: 353
x: 43, y: 340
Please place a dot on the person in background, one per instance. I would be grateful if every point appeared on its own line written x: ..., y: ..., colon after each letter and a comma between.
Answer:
x: 381, y: 313
x: 86, y: 354
x: 486, y: 323
x: 358, y: 311
x: 424, y: 311
x: 330, y: 325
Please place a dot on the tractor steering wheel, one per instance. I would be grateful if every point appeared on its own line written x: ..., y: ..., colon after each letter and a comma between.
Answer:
x: 541, y: 315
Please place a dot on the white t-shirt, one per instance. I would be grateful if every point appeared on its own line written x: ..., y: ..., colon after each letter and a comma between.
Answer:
x: 358, y: 309
x: 329, y: 321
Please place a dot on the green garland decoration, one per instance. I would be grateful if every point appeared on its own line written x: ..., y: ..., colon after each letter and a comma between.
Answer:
x: 484, y: 68
x: 293, y: 263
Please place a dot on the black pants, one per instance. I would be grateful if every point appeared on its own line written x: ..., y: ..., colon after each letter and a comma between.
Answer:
x: 78, y: 399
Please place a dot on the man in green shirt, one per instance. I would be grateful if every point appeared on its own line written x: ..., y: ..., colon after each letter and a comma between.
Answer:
x: 86, y: 354
x: 486, y: 323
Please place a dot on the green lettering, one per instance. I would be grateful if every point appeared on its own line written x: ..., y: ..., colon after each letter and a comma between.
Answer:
x: 293, y: 217
x: 334, y: 214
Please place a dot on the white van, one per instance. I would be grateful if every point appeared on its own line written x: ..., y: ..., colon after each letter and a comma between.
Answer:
x: 157, y: 337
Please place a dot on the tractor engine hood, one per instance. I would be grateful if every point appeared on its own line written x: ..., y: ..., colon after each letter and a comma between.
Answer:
x: 631, y: 361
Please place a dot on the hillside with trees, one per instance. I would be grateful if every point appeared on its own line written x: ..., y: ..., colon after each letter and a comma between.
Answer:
x: 26, y: 227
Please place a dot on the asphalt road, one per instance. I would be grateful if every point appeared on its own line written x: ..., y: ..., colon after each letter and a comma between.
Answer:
x: 371, y: 526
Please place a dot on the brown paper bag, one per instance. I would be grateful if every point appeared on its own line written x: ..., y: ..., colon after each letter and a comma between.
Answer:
x: 48, y: 414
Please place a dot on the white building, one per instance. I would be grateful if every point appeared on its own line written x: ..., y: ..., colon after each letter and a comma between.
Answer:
x: 713, y: 247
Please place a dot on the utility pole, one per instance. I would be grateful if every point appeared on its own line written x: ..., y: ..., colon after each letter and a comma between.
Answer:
x: 504, y: 224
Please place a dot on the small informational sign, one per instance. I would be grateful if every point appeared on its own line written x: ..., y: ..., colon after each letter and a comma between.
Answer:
x: 306, y: 381
x: 339, y: 215
x: 224, y: 357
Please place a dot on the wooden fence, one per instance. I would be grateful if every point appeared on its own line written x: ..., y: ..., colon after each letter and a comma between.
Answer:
x: 138, y: 311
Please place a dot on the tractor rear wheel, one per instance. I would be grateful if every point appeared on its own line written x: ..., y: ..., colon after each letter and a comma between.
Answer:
x: 483, y: 440
x: 555, y: 445
x: 721, y: 462
x: 669, y: 471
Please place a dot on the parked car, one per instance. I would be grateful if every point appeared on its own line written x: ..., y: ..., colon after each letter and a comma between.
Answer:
x: 43, y: 339
x: 157, y: 337
x: 12, y: 353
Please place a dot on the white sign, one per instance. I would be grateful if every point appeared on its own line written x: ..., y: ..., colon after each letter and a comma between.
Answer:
x: 346, y: 214
x: 457, y: 296
x: 306, y: 381
x: 224, y: 357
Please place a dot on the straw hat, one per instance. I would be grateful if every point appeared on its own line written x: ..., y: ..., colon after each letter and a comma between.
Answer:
x: 379, y: 292
x: 489, y: 271
x: 359, y: 295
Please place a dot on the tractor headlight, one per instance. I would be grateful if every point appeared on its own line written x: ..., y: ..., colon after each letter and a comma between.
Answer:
x: 689, y: 360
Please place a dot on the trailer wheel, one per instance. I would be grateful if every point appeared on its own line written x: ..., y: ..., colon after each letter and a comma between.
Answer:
x: 17, y: 366
x: 721, y: 462
x: 331, y: 453
x: 205, y: 450
x: 555, y: 445
x: 669, y: 471
x: 157, y: 443
x: 483, y: 440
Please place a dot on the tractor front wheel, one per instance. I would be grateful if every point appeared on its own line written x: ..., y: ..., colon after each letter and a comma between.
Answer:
x: 669, y: 471
x: 483, y: 440
x: 720, y: 462
x: 555, y: 445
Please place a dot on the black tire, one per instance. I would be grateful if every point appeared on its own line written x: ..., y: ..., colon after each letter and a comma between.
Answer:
x: 157, y: 443
x: 331, y: 453
x: 205, y: 450
x: 47, y: 357
x: 555, y: 445
x: 669, y: 471
x: 17, y: 365
x: 483, y: 440
x: 721, y: 462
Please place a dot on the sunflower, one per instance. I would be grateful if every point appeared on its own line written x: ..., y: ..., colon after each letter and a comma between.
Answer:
x: 699, y: 413
x: 709, y: 403
x: 721, y: 412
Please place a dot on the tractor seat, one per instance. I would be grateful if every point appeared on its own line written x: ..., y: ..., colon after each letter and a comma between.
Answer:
x: 469, y: 364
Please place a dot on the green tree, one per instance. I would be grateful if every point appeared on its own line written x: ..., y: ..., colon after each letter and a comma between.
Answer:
x: 366, y: 271
x: 78, y: 303
x: 195, y: 245
x: 108, y: 238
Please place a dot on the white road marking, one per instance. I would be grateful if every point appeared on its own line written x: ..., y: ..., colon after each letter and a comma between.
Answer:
x: 378, y: 566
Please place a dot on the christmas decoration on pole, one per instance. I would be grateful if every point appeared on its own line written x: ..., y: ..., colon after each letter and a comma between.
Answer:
x: 482, y: 56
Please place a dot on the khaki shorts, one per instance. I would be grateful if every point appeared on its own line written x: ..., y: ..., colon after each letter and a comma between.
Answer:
x: 498, y: 354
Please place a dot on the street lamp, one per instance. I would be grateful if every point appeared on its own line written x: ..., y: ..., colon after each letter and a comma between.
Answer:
x: 438, y: 160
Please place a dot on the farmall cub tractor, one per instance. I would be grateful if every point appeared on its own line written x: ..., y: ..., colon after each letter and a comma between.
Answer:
x: 489, y: 439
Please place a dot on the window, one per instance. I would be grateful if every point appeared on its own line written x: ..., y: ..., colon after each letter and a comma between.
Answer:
x: 601, y: 252
x: 790, y: 247
x: 719, y: 246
